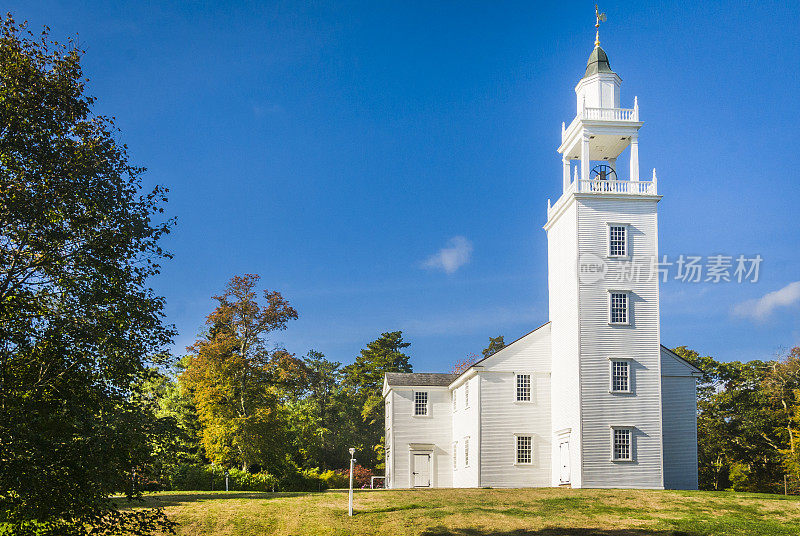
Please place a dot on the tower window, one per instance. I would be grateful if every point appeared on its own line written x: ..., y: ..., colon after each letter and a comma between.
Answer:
x: 420, y: 403
x: 617, y: 240
x: 466, y: 452
x: 455, y: 454
x: 618, y: 308
x: 622, y: 449
x: 466, y: 395
x: 455, y: 400
x: 523, y: 387
x: 524, y: 449
x: 620, y: 376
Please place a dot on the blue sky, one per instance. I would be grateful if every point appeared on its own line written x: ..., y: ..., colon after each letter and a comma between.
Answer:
x: 336, y: 148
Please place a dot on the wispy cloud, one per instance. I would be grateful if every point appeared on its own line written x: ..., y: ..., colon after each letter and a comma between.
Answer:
x: 262, y: 109
x: 450, y: 258
x: 761, y: 308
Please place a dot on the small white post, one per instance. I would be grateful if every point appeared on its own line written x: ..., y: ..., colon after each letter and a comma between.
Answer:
x: 655, y: 182
x: 636, y: 108
x: 226, y: 480
x: 563, y: 130
x: 352, y: 466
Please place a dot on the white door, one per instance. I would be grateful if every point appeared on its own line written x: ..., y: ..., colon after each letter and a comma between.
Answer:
x: 563, y: 449
x: 422, y: 470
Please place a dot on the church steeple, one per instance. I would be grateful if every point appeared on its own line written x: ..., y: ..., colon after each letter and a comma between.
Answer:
x: 601, y: 131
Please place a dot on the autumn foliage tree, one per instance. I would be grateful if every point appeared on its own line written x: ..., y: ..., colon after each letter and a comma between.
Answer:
x: 238, y: 382
x: 461, y: 366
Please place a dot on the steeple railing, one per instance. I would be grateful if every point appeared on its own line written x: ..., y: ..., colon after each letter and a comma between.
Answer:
x: 610, y: 114
x: 597, y: 186
x: 605, y: 187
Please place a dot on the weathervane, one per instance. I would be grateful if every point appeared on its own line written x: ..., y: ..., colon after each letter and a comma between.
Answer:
x: 601, y: 17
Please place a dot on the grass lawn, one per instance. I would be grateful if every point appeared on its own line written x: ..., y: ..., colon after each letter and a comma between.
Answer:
x: 483, y: 512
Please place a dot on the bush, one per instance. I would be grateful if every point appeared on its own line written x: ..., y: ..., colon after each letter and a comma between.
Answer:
x: 212, y: 477
x: 335, y: 479
x: 297, y: 479
x: 362, y: 476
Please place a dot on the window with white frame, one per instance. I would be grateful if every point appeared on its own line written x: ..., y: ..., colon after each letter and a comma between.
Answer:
x: 523, y: 387
x: 524, y: 449
x: 388, y: 413
x: 455, y: 454
x: 620, y: 376
x: 617, y: 240
x: 455, y: 399
x: 420, y: 403
x: 466, y: 452
x: 618, y: 303
x: 466, y: 395
x: 622, y: 449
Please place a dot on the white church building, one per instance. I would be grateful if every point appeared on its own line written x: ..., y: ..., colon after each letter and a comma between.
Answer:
x: 591, y: 399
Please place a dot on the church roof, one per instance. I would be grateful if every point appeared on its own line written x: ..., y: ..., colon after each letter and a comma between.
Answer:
x: 598, y: 62
x: 419, y: 378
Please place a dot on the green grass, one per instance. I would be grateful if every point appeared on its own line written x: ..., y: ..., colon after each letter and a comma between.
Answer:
x: 483, y: 512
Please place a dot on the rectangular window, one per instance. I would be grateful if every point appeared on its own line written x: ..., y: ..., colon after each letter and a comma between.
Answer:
x: 420, y: 403
x: 455, y: 399
x: 622, y: 444
x: 619, y: 308
x: 466, y: 452
x: 455, y: 455
x: 620, y: 376
x: 617, y: 241
x: 524, y: 449
x: 523, y: 387
x: 466, y: 395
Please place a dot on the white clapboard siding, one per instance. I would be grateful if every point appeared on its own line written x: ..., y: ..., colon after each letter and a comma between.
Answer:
x: 599, y: 341
x: 562, y: 251
x: 679, y: 392
x: 502, y: 416
x: 408, y: 429
x: 466, y: 424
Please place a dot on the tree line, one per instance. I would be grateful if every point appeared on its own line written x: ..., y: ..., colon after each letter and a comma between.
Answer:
x: 748, y: 422
x: 236, y: 401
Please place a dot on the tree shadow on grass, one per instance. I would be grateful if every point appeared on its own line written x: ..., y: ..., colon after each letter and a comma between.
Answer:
x: 162, y: 500
x: 556, y: 531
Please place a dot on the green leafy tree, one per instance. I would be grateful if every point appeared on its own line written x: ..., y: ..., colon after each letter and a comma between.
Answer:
x: 323, y: 378
x: 79, y: 325
x: 740, y: 428
x: 782, y: 384
x: 495, y: 345
x: 364, y: 379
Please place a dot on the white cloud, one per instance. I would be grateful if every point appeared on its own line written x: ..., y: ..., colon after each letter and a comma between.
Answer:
x: 761, y: 308
x: 456, y: 254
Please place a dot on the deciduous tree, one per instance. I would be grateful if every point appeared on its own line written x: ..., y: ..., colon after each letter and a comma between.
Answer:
x: 79, y: 325
x: 238, y: 382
